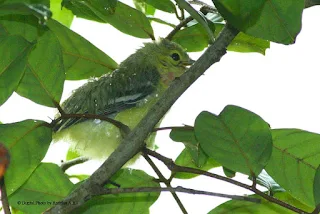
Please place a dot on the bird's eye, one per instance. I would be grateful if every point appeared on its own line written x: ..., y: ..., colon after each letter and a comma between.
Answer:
x: 175, y: 56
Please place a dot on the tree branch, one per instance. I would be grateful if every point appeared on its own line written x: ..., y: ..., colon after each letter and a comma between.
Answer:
x: 134, y: 141
x: 67, y: 164
x: 176, y: 168
x: 108, y: 191
x: 166, y: 181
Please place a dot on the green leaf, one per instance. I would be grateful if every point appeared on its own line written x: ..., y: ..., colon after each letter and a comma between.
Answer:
x: 245, y: 207
x: 25, y: 26
x: 61, y: 14
x: 186, y: 136
x: 228, y: 172
x: 316, y: 186
x: 164, y: 5
x: 274, y: 20
x: 133, y: 203
x: 238, y: 139
x: 126, y: 19
x: 44, y: 76
x: 13, y: 53
x: 245, y: 43
x: 267, y: 181
x: 40, y: 11
x: 28, y: 142
x: 193, y: 38
x: 45, y: 188
x: 297, y: 152
x: 144, y: 7
x: 81, y: 177
x: 82, y: 60
x: 71, y: 154
x: 185, y: 159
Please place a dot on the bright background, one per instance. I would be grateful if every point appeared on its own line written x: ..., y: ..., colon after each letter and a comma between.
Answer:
x: 282, y: 87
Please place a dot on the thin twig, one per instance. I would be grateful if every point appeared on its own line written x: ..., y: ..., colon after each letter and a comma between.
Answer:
x: 106, y: 191
x: 174, y: 127
x: 178, y: 27
x: 4, y: 197
x: 67, y: 164
x: 121, y: 126
x: 164, y: 180
x: 176, y: 168
x: 197, y: 16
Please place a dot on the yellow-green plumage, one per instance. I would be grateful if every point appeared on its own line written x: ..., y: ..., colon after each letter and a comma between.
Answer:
x: 125, y: 95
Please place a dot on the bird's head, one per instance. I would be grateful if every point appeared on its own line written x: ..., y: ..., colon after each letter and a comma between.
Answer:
x: 170, y: 59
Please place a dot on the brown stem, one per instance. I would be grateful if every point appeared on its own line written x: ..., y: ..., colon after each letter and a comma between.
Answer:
x: 4, y: 197
x: 176, y: 168
x: 166, y: 181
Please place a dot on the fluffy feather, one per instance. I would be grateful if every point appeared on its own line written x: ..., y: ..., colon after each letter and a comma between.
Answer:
x: 125, y: 95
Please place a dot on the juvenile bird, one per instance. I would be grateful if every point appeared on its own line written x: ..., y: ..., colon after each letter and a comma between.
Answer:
x: 125, y: 95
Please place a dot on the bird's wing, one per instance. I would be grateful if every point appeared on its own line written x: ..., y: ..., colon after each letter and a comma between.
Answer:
x: 109, y: 95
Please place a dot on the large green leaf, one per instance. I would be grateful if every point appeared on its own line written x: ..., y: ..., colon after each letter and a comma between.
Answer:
x: 274, y: 20
x: 298, y: 154
x: 13, y: 54
x: 245, y: 207
x: 238, y: 139
x: 82, y: 60
x: 61, y: 14
x: 125, y: 18
x: 44, y: 76
x: 28, y: 142
x: 133, y: 203
x: 45, y: 188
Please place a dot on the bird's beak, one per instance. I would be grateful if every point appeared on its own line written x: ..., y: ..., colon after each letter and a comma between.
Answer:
x: 189, y: 62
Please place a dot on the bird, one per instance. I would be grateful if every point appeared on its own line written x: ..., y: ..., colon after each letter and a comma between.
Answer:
x: 125, y: 95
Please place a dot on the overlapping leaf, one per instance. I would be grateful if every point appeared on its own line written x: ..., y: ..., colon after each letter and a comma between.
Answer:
x: 195, y: 38
x: 185, y: 159
x: 238, y: 139
x: 133, y: 203
x: 61, y: 14
x: 45, y: 188
x: 274, y: 20
x: 28, y: 142
x: 44, y: 76
x: 125, y: 18
x: 164, y: 5
x: 13, y: 53
x: 245, y: 207
x: 294, y: 162
x: 82, y: 60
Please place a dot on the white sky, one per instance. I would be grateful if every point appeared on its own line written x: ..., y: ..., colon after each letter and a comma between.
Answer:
x: 282, y: 87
